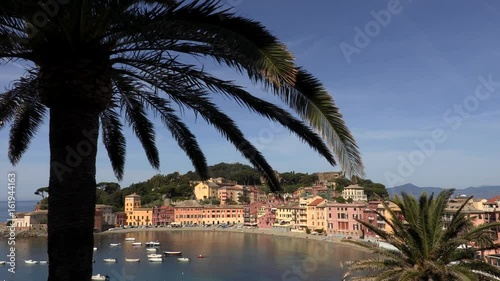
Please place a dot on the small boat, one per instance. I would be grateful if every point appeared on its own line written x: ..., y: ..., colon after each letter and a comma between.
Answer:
x: 30, y: 262
x: 201, y: 256
x: 99, y: 277
x: 154, y: 256
x: 137, y: 244
x: 95, y: 248
x: 44, y: 262
x: 115, y: 244
x: 184, y: 259
x: 130, y: 239
x: 155, y: 259
x: 173, y: 253
x: 2, y: 262
x: 132, y: 260
x: 152, y: 243
x: 110, y: 260
x: 151, y: 249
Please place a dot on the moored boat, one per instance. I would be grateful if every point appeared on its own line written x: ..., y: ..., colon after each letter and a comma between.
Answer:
x: 115, y: 244
x: 155, y: 259
x: 110, y: 260
x: 152, y: 243
x: 30, y: 262
x: 44, y: 262
x: 130, y: 239
x: 99, y: 277
x: 132, y: 260
x: 201, y: 256
x: 172, y: 253
x: 184, y: 259
x: 2, y: 262
x: 137, y: 244
x: 95, y: 248
x: 151, y: 249
x: 154, y: 256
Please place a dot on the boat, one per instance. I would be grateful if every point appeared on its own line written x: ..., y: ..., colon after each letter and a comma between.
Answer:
x: 154, y: 256
x: 137, y: 244
x: 2, y: 262
x: 155, y: 259
x: 201, y: 256
x: 115, y: 244
x: 152, y: 243
x: 172, y: 253
x: 132, y: 260
x: 151, y: 249
x: 30, y: 262
x: 44, y: 262
x: 99, y: 277
x: 110, y: 260
x: 130, y: 239
x: 95, y: 248
x: 184, y: 259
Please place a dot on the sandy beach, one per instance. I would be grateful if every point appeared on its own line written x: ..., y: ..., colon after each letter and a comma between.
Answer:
x: 260, y: 231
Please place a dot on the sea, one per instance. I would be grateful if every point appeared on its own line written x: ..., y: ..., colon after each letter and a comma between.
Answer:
x: 19, y: 207
x: 228, y: 256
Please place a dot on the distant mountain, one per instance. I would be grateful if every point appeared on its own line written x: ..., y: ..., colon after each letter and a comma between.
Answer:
x: 485, y: 192
x: 412, y: 189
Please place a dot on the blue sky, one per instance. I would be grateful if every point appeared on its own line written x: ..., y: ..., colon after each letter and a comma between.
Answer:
x: 415, y: 94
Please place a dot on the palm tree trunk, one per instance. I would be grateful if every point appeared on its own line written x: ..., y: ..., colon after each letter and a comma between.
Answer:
x: 73, y: 149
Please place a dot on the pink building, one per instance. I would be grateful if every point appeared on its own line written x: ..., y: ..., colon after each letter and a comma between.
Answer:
x: 163, y: 215
x: 188, y: 212
x: 121, y: 218
x: 372, y: 218
x: 267, y: 213
x: 250, y: 213
x: 341, y: 218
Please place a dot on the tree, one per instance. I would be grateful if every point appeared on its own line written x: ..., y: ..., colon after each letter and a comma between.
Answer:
x: 425, y: 248
x: 41, y: 191
x: 90, y: 63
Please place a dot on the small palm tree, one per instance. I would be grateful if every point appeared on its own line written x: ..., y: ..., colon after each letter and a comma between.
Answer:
x: 425, y: 248
x: 96, y: 62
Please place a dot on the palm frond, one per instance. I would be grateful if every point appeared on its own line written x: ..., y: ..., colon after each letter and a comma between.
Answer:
x: 136, y: 117
x: 27, y: 120
x: 114, y: 141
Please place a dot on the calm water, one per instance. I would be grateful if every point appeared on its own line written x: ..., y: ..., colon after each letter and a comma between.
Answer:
x: 21, y: 206
x: 229, y: 257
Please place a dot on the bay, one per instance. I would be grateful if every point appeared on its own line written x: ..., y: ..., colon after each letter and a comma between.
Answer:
x: 20, y: 207
x: 228, y: 256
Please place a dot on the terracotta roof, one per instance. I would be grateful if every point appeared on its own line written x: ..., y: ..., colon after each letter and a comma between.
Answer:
x: 103, y: 206
x: 494, y: 199
x: 188, y: 204
x: 133, y: 195
x: 316, y: 202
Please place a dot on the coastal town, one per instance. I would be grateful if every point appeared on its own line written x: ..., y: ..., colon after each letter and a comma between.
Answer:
x: 309, y: 210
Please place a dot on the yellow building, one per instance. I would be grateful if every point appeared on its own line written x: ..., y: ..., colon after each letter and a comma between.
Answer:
x: 316, y: 214
x: 288, y: 214
x: 136, y: 215
x: 205, y: 190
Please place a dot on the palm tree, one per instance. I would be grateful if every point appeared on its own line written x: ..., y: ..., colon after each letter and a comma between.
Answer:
x: 90, y: 63
x: 425, y: 248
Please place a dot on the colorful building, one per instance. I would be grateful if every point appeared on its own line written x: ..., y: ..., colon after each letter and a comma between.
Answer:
x: 136, y: 215
x: 316, y: 214
x: 342, y: 218
x: 355, y: 193
x: 206, y: 190
x: 250, y: 213
x: 163, y: 215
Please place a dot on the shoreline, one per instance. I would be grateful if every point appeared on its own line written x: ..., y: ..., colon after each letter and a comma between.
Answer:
x: 259, y: 231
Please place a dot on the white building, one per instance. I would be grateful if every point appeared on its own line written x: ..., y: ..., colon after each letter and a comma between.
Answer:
x: 354, y: 192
